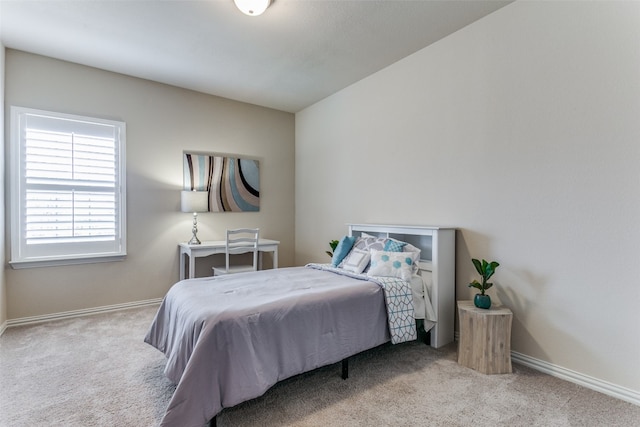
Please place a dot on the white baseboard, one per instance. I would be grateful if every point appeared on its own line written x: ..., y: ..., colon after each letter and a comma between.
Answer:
x: 77, y: 313
x: 604, y: 387
x: 3, y: 328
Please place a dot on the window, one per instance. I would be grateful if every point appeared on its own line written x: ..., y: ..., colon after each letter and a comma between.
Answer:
x: 67, y: 189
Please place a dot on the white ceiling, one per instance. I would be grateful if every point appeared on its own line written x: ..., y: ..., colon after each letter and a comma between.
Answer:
x: 295, y: 54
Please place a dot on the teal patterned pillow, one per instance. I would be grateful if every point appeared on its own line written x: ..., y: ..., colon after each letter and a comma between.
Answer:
x: 394, y: 245
x: 392, y: 264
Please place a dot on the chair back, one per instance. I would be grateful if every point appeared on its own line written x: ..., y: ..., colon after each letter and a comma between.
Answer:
x: 240, y: 241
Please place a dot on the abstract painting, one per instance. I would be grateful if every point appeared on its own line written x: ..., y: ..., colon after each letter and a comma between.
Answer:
x: 233, y: 182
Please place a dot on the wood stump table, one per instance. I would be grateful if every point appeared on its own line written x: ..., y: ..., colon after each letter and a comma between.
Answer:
x: 485, y: 338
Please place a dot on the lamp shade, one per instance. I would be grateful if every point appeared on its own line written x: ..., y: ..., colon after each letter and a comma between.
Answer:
x: 194, y: 201
x: 252, y: 7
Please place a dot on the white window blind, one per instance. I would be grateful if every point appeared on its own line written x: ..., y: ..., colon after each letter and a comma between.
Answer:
x: 68, y: 188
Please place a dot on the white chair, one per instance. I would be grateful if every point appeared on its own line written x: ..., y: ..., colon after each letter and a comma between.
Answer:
x: 239, y: 241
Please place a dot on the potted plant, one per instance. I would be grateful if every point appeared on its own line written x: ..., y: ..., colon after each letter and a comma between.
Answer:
x: 332, y: 244
x: 486, y: 270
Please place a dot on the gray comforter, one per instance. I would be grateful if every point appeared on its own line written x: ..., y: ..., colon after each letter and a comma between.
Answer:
x: 228, y: 339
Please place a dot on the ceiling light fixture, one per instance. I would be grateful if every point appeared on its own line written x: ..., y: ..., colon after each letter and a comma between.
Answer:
x: 252, y: 7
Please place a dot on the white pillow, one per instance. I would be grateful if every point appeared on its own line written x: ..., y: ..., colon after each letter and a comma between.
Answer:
x: 392, y: 264
x: 356, y: 261
x: 408, y: 247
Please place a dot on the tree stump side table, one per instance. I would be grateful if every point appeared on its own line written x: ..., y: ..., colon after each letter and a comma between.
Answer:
x: 485, y: 338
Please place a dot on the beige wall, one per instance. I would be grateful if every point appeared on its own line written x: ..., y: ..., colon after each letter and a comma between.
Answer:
x: 523, y: 131
x: 162, y: 121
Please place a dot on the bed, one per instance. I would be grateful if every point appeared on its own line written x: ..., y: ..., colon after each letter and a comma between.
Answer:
x: 228, y: 339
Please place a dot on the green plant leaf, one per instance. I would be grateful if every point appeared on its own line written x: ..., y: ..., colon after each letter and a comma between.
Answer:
x: 475, y: 284
x: 490, y: 269
x: 488, y: 273
x: 478, y: 266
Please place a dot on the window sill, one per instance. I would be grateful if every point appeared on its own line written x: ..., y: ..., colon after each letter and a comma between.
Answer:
x: 49, y: 262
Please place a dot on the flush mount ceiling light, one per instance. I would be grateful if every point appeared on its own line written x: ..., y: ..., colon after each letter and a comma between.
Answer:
x: 252, y: 7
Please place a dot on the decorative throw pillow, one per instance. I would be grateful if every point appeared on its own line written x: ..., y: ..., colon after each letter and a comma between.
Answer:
x: 393, y: 245
x: 392, y: 264
x: 343, y: 248
x: 410, y: 248
x: 367, y: 242
x: 356, y: 261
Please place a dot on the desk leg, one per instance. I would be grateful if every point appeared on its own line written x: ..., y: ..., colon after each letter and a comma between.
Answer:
x: 192, y: 266
x: 182, y: 255
x: 275, y: 258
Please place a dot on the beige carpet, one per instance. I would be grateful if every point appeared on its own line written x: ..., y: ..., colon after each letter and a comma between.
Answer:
x: 97, y: 371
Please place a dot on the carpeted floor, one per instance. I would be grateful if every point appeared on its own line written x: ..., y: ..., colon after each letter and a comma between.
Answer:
x: 97, y: 371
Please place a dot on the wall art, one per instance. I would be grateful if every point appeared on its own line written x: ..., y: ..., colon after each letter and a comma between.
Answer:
x: 233, y: 182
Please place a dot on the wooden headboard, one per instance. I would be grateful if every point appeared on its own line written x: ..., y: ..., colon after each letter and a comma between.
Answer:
x: 438, y: 254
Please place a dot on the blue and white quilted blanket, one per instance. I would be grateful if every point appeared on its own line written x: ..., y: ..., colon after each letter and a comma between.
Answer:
x: 398, y: 299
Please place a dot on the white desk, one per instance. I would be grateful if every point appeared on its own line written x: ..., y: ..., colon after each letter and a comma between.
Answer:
x: 218, y: 247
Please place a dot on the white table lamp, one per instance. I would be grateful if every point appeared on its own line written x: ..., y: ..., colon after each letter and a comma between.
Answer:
x: 194, y: 201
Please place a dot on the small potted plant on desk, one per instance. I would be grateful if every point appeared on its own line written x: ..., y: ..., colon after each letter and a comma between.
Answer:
x: 486, y: 270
